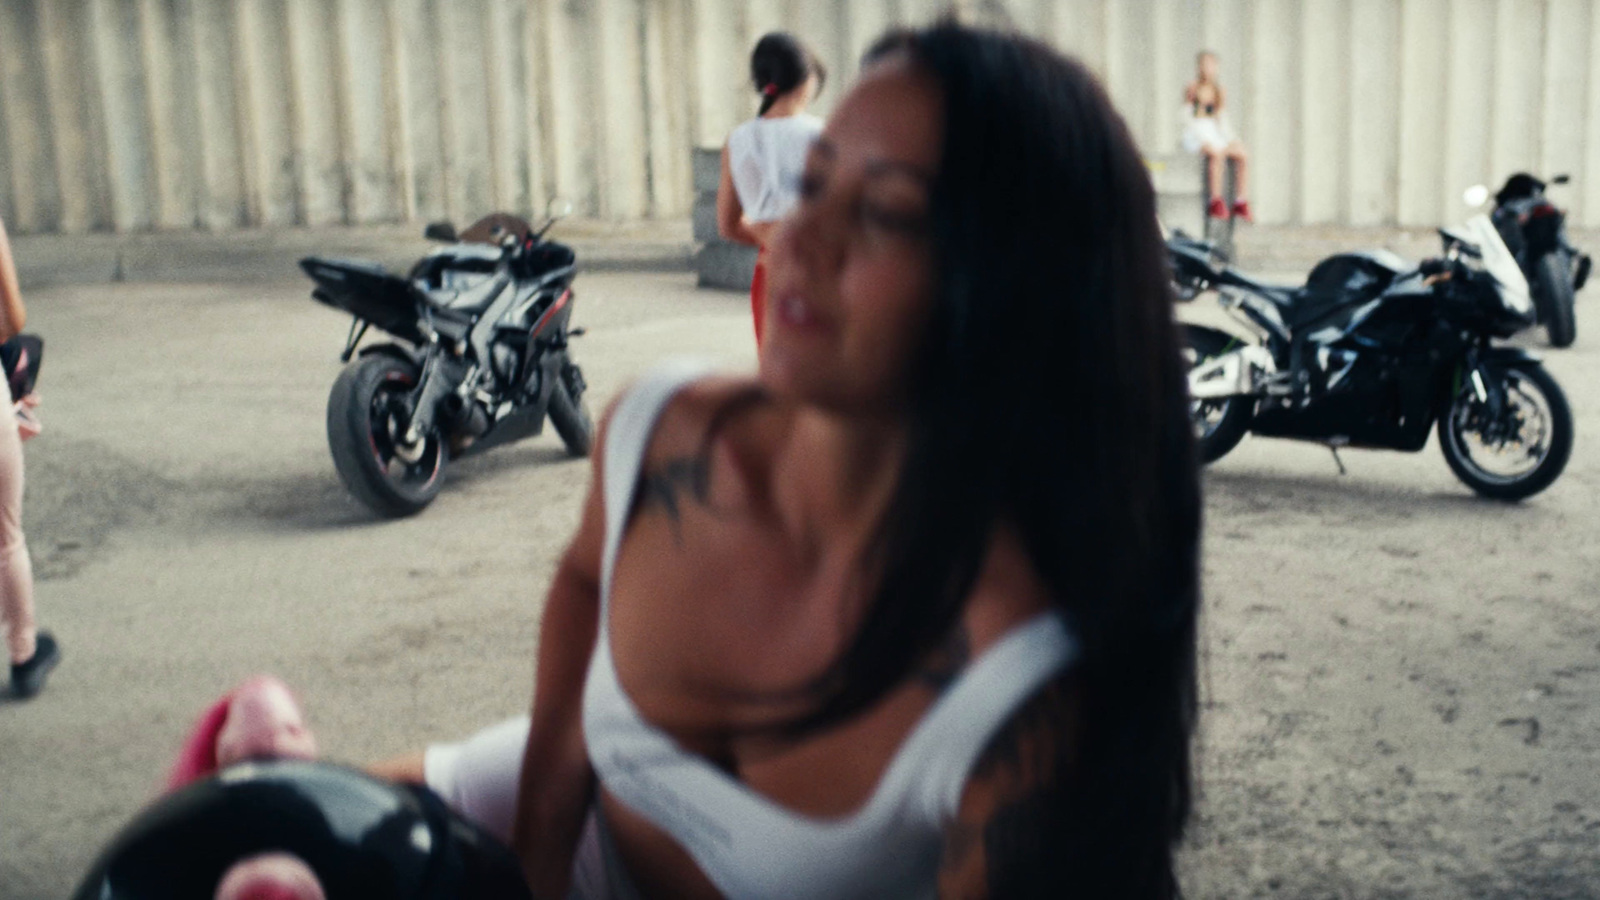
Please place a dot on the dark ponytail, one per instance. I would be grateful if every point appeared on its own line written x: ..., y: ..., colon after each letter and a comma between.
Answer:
x: 779, y: 64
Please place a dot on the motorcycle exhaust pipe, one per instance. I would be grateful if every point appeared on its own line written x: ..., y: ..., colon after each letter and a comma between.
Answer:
x: 463, y: 417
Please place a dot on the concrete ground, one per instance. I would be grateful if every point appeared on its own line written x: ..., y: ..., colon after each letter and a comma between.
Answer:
x: 1400, y: 681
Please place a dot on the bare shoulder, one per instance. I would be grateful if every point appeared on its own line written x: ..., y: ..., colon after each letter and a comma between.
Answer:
x: 1000, y: 838
x: 1009, y: 591
x: 699, y: 409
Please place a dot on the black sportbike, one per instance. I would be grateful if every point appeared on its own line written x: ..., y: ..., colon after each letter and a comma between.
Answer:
x: 1535, y: 231
x: 482, y: 358
x: 1372, y: 352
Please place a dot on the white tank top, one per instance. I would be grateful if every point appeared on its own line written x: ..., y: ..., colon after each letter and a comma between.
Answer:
x: 748, y: 845
x: 767, y: 158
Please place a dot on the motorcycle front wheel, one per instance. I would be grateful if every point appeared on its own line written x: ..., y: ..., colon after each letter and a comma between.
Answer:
x: 1554, y: 275
x: 1521, y: 451
x: 368, y: 415
x: 1219, y: 424
x: 571, y: 416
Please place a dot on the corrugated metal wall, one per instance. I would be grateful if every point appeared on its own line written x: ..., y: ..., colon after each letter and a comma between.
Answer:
x: 173, y: 114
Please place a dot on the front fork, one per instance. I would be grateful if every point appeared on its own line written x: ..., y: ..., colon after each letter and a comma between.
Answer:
x: 1488, y: 391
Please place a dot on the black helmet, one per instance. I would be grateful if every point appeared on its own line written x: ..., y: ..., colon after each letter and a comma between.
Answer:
x: 362, y: 836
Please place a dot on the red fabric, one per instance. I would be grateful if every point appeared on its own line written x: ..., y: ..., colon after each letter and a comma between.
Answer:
x: 758, y: 295
x: 198, y: 757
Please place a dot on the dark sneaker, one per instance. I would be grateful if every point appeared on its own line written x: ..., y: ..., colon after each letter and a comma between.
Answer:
x: 28, y: 678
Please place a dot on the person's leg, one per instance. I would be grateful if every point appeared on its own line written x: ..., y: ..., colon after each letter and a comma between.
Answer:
x: 1215, y: 207
x: 1214, y: 160
x: 32, y: 654
x: 16, y: 570
x: 1241, y: 170
x: 1241, y: 181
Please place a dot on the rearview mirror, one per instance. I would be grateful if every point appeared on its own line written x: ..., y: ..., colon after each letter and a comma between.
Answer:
x: 440, y: 231
x: 1475, y: 196
x: 558, y: 208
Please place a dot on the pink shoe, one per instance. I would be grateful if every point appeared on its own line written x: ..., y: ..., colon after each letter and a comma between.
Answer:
x: 270, y: 876
x: 259, y: 719
x: 1241, y: 210
x: 1217, y: 209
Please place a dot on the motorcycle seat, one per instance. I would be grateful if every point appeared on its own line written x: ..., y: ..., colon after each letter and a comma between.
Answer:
x: 1282, y: 295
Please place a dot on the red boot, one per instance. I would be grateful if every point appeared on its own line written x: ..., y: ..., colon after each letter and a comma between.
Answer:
x: 1217, y: 209
x: 1241, y: 210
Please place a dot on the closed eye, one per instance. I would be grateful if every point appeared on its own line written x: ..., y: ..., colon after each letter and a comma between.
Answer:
x: 913, y: 224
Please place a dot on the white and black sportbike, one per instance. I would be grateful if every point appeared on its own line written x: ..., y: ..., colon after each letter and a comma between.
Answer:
x: 1373, y: 352
x: 482, y: 358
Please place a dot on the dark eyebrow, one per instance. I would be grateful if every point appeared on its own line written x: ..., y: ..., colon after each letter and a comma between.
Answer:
x: 825, y: 149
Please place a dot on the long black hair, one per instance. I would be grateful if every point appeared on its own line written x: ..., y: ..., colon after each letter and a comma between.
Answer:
x: 779, y: 64
x: 1049, y: 396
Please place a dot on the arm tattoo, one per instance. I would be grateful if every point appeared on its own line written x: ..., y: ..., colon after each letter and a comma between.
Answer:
x: 1000, y: 836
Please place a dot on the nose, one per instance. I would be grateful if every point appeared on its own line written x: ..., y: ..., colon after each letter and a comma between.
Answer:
x: 813, y: 235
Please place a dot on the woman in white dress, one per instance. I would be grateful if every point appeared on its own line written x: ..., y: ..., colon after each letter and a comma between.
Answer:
x: 764, y: 157
x: 1206, y: 132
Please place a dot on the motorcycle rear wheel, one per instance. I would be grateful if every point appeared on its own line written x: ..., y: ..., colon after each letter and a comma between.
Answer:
x: 1219, y: 424
x: 1554, y: 274
x: 1543, y: 420
x: 367, y: 421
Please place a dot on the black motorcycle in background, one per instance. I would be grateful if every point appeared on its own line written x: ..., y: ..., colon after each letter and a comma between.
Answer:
x: 1372, y: 352
x: 1535, y: 231
x: 482, y: 358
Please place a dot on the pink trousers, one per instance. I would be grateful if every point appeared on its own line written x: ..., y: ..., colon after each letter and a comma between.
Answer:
x: 16, y: 570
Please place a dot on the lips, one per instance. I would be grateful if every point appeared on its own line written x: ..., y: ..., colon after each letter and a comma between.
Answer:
x: 794, y: 311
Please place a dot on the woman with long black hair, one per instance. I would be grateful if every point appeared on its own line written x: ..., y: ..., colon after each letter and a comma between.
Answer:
x: 915, y: 607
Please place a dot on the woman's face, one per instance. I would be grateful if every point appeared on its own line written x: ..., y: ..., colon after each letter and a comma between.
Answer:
x: 850, y: 272
x: 1207, y: 67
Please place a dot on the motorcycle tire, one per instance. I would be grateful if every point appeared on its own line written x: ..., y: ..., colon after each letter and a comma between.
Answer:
x: 362, y: 428
x: 572, y: 420
x: 1215, y: 441
x: 1554, y: 274
x: 1523, y: 485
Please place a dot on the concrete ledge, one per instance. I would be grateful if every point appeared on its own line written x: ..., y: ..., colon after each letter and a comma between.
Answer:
x: 266, y: 256
x: 258, y: 256
x: 725, y: 265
